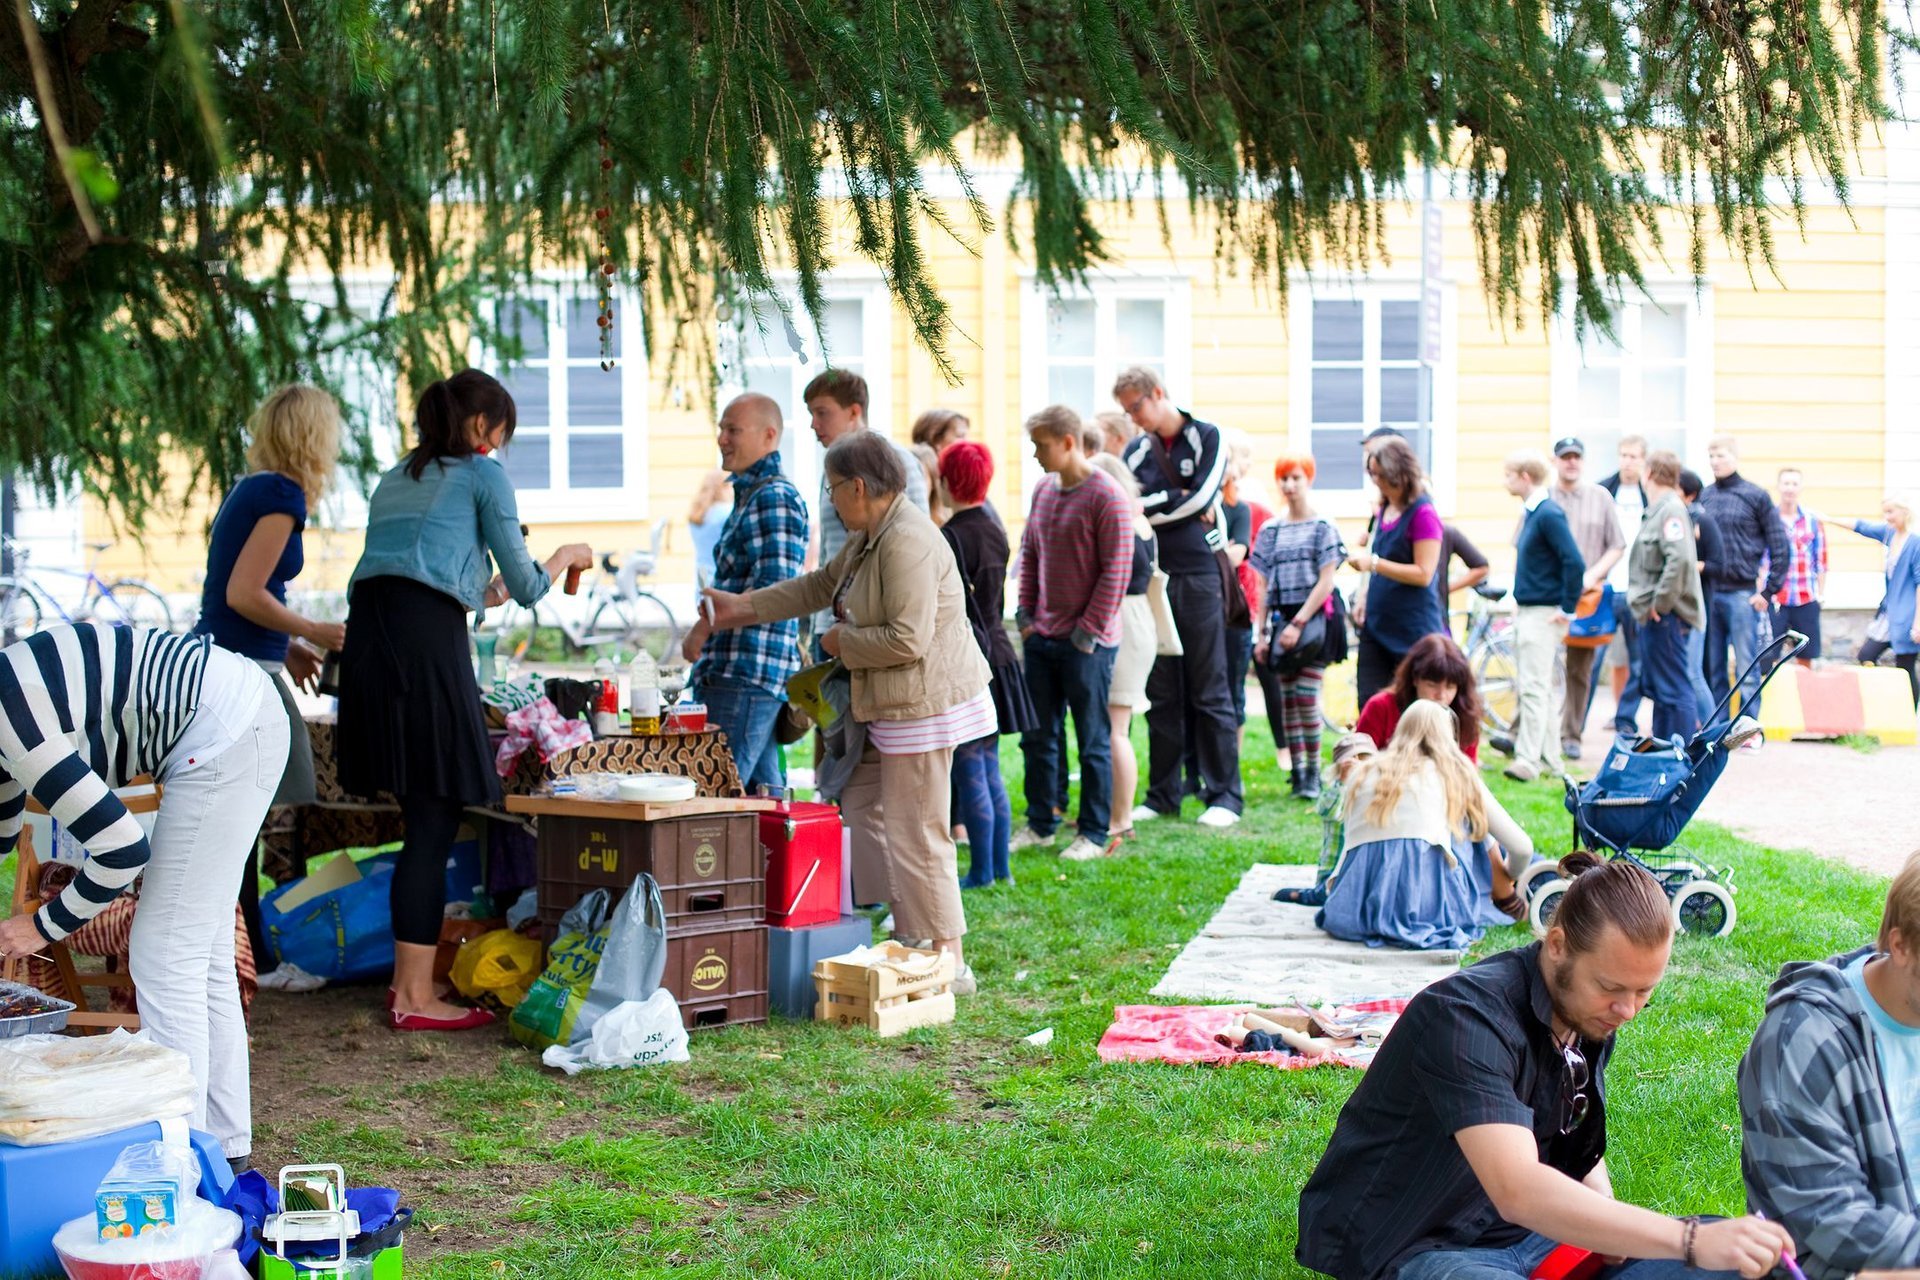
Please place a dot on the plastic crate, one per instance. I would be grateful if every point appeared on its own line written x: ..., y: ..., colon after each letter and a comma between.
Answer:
x: 718, y: 976
x: 33, y: 1024
x: 709, y: 867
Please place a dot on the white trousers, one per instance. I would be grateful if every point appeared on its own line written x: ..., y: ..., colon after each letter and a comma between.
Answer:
x: 1536, y: 643
x: 181, y: 949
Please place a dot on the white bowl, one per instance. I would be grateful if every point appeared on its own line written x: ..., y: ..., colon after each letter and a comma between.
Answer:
x: 659, y: 787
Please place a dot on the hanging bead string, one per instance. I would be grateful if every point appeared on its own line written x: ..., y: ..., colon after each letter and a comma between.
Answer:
x: 603, y: 222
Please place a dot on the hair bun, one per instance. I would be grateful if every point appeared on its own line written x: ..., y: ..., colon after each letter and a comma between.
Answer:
x: 1578, y: 861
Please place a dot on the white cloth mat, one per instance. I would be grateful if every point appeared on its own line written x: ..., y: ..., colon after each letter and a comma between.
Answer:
x: 1256, y: 949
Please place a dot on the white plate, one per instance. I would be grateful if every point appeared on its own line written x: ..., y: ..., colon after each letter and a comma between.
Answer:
x: 659, y: 787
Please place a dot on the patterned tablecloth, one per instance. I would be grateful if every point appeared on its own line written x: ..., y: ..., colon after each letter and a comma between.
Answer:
x: 339, y: 821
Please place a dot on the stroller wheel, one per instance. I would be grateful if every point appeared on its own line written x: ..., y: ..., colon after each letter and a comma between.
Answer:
x: 1546, y: 901
x: 1703, y: 909
x: 1535, y: 876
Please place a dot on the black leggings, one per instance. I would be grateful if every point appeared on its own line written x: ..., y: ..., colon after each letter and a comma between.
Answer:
x: 420, y: 877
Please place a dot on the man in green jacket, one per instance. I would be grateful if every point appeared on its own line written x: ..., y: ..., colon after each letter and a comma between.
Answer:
x: 1663, y: 588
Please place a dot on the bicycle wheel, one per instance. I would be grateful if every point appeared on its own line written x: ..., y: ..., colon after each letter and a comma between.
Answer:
x: 133, y: 603
x: 19, y: 610
x: 650, y: 626
x: 1496, y: 676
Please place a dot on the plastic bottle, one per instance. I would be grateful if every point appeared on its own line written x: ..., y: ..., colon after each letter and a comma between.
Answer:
x: 643, y: 693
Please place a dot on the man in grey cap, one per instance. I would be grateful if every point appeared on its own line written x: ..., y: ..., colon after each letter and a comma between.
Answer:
x: 1596, y: 531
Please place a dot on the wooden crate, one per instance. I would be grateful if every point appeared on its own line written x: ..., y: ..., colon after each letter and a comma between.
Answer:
x: 882, y: 997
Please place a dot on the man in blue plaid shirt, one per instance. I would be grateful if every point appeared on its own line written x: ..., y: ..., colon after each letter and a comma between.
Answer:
x: 741, y: 675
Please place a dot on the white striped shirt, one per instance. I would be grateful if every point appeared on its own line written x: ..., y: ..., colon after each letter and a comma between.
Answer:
x: 85, y: 709
x: 974, y: 718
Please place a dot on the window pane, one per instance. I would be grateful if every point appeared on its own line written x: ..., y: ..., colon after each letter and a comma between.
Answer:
x: 529, y: 390
x: 1595, y: 344
x: 843, y: 331
x: 526, y: 319
x: 1400, y: 399
x: 582, y: 319
x: 1399, y: 331
x: 593, y: 396
x: 1339, y: 395
x: 764, y: 335
x: 1663, y: 394
x: 1598, y: 393
x: 1070, y: 327
x: 1337, y: 331
x: 593, y: 461
x: 1663, y: 333
x: 1336, y: 457
x: 1140, y: 325
x: 527, y: 460
x: 1071, y: 385
x: 776, y: 383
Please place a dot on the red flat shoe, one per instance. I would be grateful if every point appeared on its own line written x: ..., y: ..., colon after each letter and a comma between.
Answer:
x: 467, y: 1021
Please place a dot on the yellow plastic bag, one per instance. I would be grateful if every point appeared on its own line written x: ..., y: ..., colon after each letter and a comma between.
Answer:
x: 501, y: 964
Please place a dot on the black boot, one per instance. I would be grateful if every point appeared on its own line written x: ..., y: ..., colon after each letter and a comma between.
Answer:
x: 1294, y: 770
x: 1307, y: 785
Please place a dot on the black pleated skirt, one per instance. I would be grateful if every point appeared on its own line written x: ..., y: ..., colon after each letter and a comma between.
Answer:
x: 410, y: 715
x: 1011, y: 700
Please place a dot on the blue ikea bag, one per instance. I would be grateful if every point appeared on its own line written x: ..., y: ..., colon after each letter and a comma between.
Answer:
x: 345, y: 935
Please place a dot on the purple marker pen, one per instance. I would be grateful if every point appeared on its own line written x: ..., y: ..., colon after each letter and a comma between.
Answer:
x: 1786, y: 1259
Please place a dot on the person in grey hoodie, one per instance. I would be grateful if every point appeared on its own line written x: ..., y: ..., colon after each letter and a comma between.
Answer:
x: 1830, y: 1100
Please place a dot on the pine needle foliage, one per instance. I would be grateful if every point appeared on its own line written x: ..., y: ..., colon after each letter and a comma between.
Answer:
x: 218, y: 152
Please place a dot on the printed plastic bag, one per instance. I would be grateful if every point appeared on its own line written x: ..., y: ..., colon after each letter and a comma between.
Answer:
x: 553, y: 1003
x: 344, y: 934
x: 635, y: 957
x: 182, y: 1253
x: 637, y: 1033
x: 501, y: 964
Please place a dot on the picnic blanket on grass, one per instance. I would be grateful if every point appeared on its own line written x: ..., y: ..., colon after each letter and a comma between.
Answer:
x: 1185, y: 1034
x: 1270, y: 953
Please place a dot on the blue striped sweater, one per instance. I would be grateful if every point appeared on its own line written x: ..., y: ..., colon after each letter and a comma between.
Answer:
x: 85, y: 709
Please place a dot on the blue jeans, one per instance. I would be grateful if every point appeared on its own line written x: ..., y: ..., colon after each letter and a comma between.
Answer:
x: 1703, y: 698
x: 1058, y: 675
x: 747, y: 714
x: 980, y: 797
x: 1626, y: 717
x: 1663, y: 650
x: 1731, y: 620
x: 1517, y: 1262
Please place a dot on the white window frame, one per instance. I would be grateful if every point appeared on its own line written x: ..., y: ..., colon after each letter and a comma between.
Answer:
x: 800, y: 452
x: 560, y: 503
x: 1372, y: 290
x: 345, y: 504
x: 1104, y: 290
x: 1569, y: 357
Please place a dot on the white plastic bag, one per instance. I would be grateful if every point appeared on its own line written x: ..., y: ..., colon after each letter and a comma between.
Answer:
x: 180, y: 1254
x: 636, y: 1033
x: 634, y: 960
x: 61, y: 1088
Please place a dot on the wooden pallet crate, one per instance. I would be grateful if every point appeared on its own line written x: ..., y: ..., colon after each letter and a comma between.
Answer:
x: 881, y: 996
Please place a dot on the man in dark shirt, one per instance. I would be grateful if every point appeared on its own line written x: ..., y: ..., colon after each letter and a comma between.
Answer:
x: 1181, y: 463
x: 1476, y: 1141
x: 1737, y: 604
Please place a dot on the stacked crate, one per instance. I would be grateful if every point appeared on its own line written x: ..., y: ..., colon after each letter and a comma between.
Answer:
x: 710, y: 869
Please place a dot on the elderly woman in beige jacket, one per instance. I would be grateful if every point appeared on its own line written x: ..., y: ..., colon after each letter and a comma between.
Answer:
x: 919, y: 681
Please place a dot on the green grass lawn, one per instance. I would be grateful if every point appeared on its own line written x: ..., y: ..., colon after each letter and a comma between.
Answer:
x: 800, y: 1150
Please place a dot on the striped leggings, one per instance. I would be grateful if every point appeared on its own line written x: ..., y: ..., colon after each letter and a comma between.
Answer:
x: 1293, y: 709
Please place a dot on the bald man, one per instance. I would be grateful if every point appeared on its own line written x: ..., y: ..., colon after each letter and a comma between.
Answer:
x: 741, y: 675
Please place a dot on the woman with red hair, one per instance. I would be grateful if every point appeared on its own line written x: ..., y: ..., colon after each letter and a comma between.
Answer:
x: 1434, y: 669
x: 1294, y: 558
x: 979, y: 541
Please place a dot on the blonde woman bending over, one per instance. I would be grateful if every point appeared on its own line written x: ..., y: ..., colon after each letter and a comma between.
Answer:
x: 1418, y: 824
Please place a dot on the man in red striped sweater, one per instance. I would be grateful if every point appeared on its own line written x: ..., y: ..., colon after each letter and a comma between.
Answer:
x: 1075, y: 558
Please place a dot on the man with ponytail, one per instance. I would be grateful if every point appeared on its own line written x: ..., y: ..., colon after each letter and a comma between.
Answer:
x: 1475, y: 1143
x: 1830, y: 1099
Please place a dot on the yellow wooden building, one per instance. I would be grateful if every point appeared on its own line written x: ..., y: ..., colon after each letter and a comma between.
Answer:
x: 1817, y: 366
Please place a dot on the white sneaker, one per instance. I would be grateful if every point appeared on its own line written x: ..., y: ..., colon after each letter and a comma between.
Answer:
x: 964, y: 983
x: 1746, y: 732
x: 1028, y: 838
x: 290, y: 977
x: 1083, y: 850
x: 1146, y: 813
x: 1219, y: 818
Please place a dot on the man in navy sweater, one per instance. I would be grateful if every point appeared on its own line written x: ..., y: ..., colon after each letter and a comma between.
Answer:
x: 1547, y: 576
x: 1750, y: 531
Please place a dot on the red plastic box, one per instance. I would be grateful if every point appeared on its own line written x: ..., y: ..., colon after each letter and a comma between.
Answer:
x: 802, y: 842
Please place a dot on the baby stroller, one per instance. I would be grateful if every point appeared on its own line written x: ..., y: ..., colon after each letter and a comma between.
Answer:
x: 1640, y: 802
